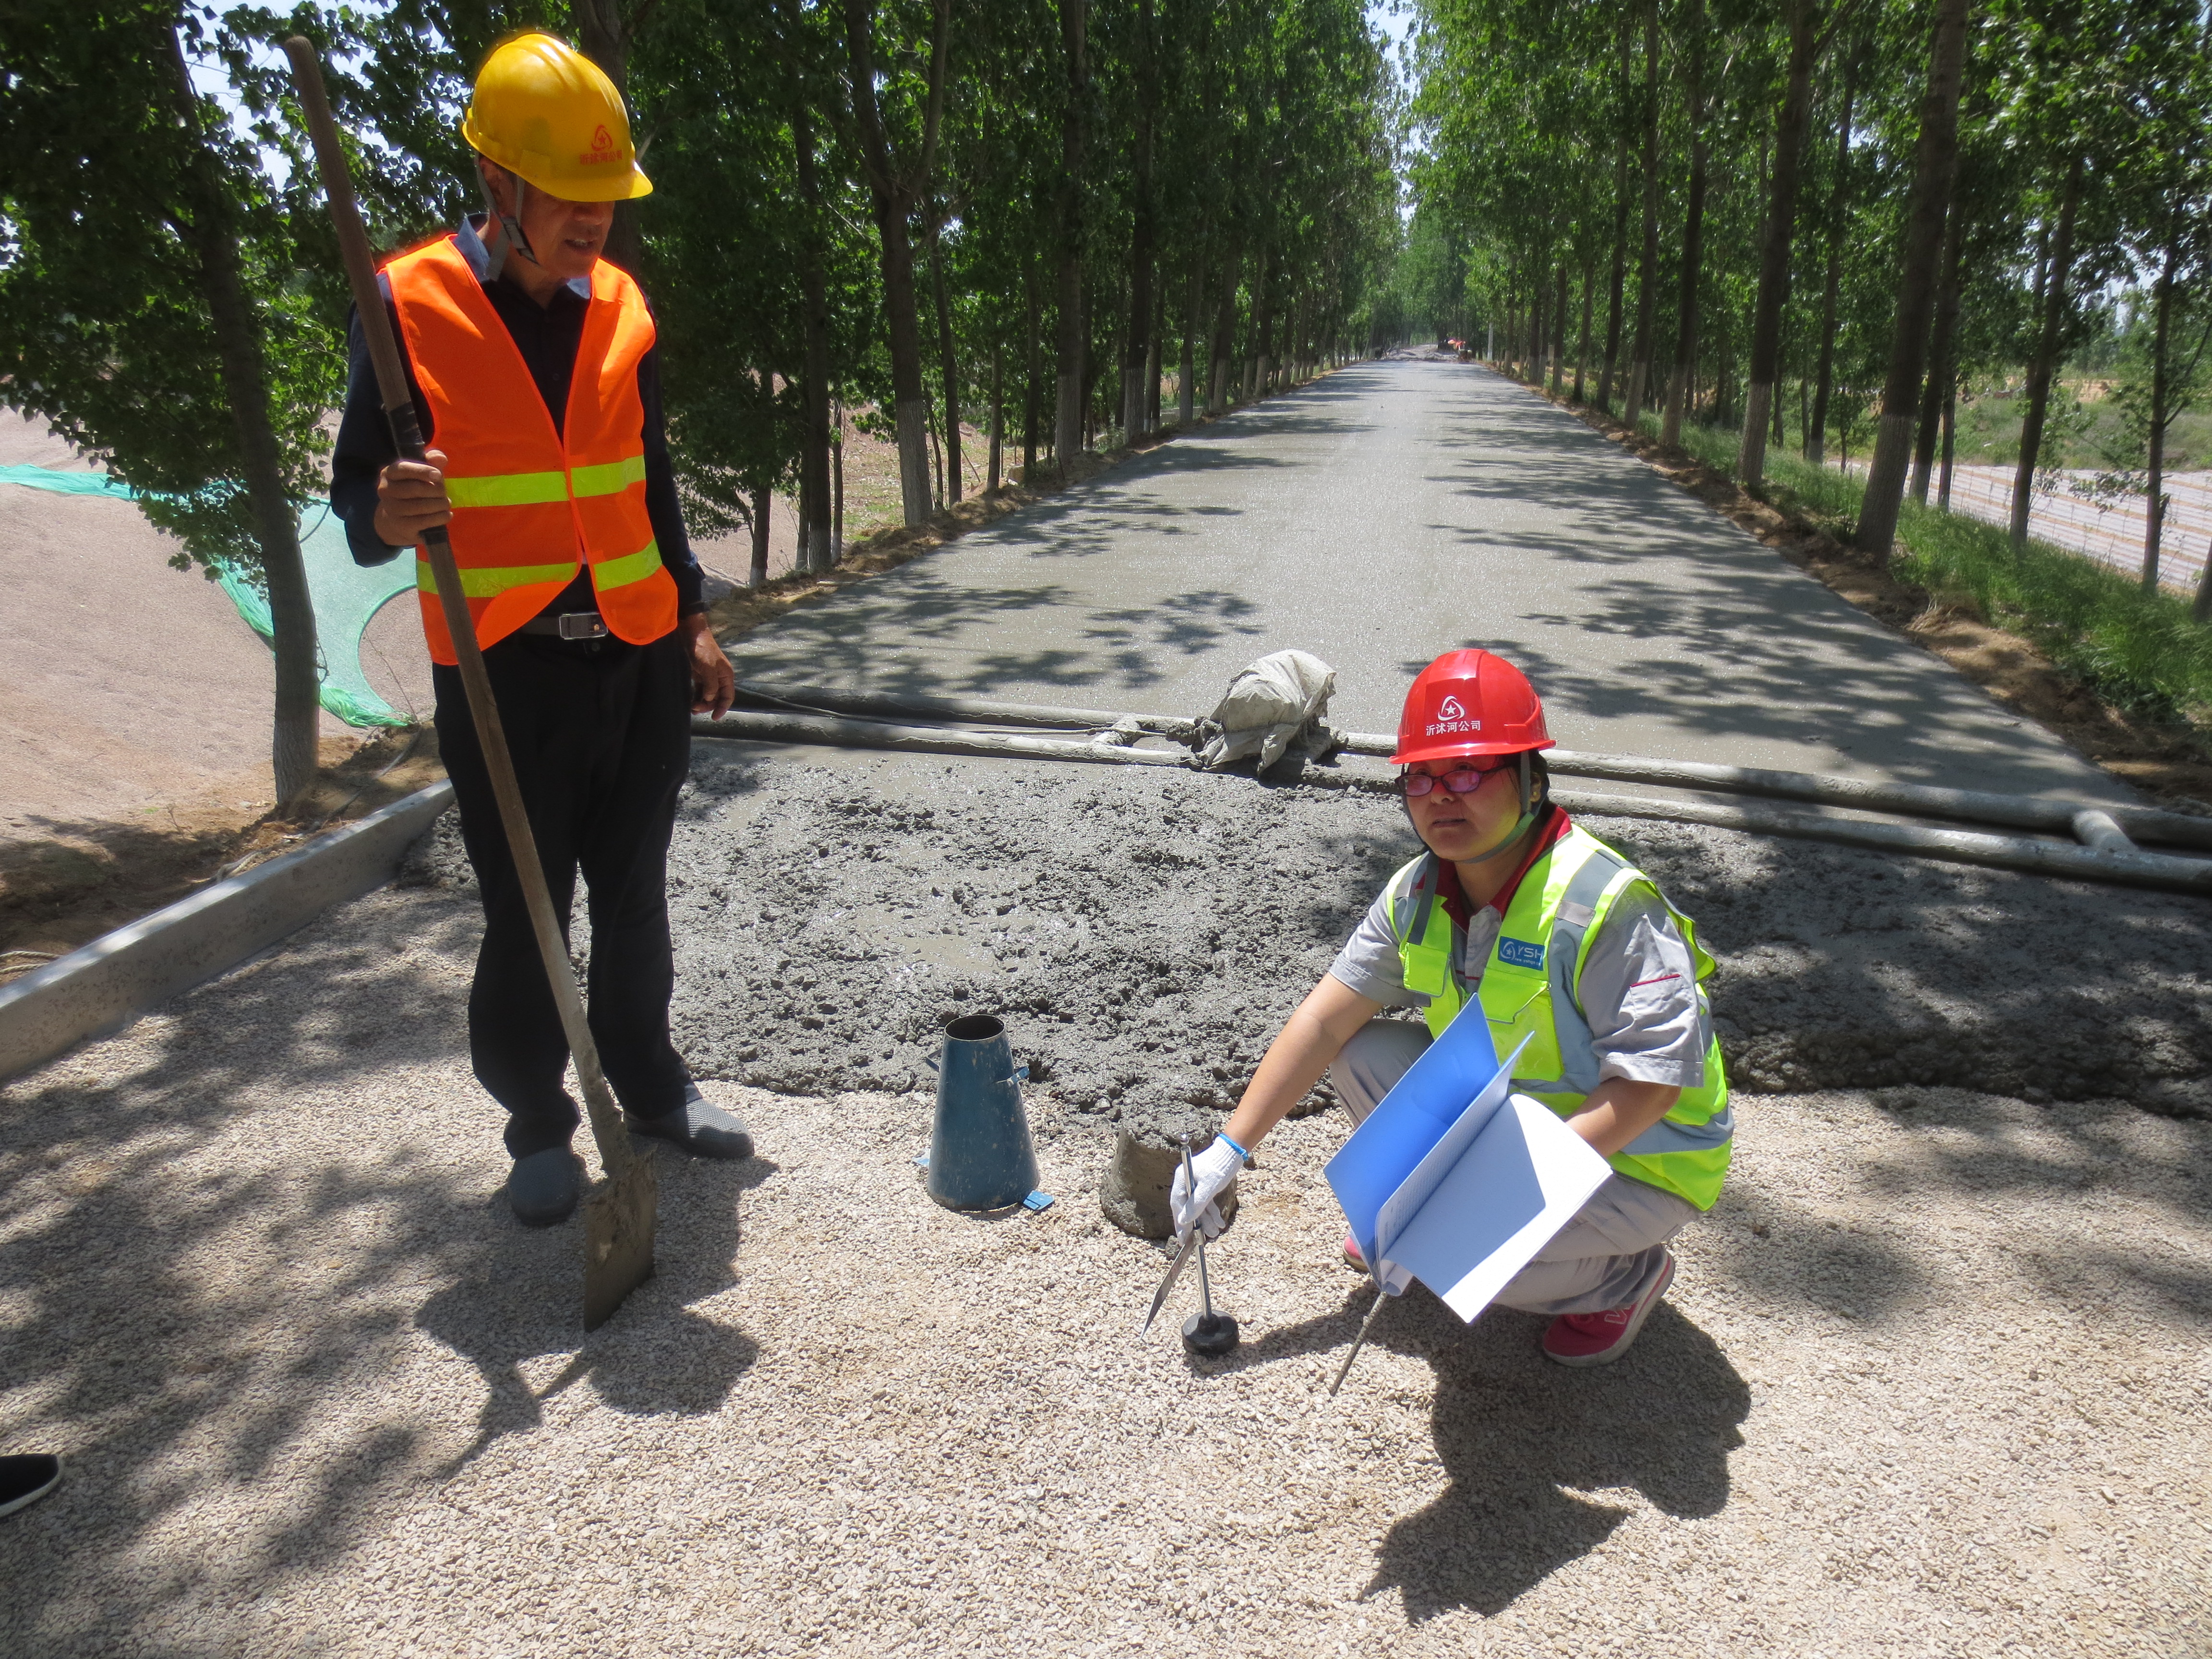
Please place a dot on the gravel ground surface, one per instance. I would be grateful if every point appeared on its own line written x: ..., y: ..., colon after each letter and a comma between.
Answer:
x: 1934, y: 1378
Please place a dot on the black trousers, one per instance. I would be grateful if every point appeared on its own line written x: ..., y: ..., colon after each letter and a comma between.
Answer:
x: 601, y: 735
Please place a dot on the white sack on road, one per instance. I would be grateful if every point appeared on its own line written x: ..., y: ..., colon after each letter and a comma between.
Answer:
x: 1267, y: 706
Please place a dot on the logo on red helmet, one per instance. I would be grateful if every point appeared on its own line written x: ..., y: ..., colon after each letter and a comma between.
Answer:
x: 1451, y: 716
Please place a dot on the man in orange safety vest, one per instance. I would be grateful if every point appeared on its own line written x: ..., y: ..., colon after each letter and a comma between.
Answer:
x: 533, y: 363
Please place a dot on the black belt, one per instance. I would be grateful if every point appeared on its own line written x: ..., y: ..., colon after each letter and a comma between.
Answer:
x: 570, y: 625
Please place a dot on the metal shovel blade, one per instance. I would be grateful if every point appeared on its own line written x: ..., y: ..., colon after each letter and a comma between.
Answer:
x: 618, y: 1219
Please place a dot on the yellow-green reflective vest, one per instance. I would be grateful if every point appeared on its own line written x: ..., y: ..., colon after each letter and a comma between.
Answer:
x: 1528, y: 990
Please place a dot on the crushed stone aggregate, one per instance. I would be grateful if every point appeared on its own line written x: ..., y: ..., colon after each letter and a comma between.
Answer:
x: 1934, y: 1378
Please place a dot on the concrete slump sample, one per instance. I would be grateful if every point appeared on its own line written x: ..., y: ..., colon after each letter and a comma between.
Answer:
x: 1143, y: 935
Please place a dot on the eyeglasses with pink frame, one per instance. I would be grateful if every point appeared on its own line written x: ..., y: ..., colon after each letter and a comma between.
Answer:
x: 1464, y: 779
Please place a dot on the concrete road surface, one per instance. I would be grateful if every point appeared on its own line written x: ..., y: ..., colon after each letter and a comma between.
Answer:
x: 1386, y: 514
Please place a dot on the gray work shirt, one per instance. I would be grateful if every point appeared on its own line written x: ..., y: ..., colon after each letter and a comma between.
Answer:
x: 1638, y: 989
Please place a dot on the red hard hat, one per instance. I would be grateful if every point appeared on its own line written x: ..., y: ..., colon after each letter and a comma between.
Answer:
x: 1469, y: 702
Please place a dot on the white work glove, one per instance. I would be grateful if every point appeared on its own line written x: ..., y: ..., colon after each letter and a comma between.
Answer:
x: 1214, y: 1168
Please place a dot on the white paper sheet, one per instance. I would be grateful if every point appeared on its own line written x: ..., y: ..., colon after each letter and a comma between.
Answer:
x: 1505, y: 1195
x: 1436, y: 1165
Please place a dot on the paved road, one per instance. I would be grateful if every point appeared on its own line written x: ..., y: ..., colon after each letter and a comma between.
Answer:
x: 1393, y: 511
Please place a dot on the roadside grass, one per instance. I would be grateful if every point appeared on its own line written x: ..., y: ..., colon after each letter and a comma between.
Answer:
x: 2139, y: 651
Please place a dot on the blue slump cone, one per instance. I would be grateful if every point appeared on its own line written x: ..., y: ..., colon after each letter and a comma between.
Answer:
x: 980, y: 1157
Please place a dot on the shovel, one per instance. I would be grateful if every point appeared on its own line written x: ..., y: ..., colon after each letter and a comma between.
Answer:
x: 619, y: 1210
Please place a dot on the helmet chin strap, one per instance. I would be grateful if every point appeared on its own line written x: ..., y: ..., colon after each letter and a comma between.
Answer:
x: 513, y: 239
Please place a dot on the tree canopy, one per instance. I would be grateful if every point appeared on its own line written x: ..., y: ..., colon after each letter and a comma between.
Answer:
x: 930, y: 213
x: 1795, y: 196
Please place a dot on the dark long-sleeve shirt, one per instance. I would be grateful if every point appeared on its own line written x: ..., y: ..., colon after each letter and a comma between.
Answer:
x: 547, y: 336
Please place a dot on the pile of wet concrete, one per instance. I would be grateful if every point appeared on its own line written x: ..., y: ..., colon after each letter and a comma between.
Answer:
x: 1144, y: 934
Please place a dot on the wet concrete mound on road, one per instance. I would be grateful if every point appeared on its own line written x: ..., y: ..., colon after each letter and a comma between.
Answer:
x: 1143, y: 935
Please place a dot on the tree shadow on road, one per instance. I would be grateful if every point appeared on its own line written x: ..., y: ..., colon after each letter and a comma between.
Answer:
x: 221, y: 1235
x: 655, y: 1357
x: 1122, y: 646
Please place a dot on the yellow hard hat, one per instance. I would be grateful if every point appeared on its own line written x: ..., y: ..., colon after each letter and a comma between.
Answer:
x: 546, y: 112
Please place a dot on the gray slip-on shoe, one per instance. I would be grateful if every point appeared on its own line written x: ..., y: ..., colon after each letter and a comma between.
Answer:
x: 26, y: 1477
x: 543, y: 1187
x: 700, y: 1127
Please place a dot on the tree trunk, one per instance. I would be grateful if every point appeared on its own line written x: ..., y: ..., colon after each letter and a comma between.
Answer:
x: 997, y: 422
x: 1941, y: 349
x: 1824, y: 375
x: 1067, y: 425
x: 1789, y: 122
x: 955, y: 480
x: 821, y: 549
x: 1647, y: 281
x: 1950, y: 437
x: 1559, y: 333
x: 1138, y: 347
x: 1224, y: 332
x: 1693, y: 226
x: 1617, y: 274
x: 803, y: 559
x: 2155, y: 504
x: 1540, y: 291
x: 1186, y: 370
x: 1263, y: 317
x: 757, y: 576
x: 894, y: 190
x: 1136, y: 353
x: 2048, y: 344
x: 937, y: 458
x: 1153, y: 346
x: 244, y: 371
x: 1032, y: 375
x: 1933, y: 170
x: 1616, y: 281
x: 837, y: 482
x: 1582, y: 345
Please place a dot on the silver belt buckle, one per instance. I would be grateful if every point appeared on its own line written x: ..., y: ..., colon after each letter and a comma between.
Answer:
x: 582, y: 625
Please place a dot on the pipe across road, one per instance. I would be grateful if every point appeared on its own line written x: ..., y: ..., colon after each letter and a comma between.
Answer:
x: 2108, y: 855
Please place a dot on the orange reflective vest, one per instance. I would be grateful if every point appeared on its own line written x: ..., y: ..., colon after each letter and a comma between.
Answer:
x: 530, y: 503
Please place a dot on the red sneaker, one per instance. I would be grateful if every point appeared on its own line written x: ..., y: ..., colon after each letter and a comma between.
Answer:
x: 1598, y: 1339
x: 1353, y: 1259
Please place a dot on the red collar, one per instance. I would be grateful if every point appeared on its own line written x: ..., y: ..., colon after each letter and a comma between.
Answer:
x: 1549, y: 829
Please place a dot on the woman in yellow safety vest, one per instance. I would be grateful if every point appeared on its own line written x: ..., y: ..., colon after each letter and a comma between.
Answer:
x: 1561, y: 941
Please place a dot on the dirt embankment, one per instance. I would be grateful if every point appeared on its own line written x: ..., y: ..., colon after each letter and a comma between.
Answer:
x: 64, y: 890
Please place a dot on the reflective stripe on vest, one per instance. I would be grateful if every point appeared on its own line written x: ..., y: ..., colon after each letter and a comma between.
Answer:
x: 532, y: 503
x: 484, y: 582
x: 531, y: 488
x: 1527, y: 988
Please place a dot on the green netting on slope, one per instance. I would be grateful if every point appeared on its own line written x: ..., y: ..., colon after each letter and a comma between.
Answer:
x: 345, y: 594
